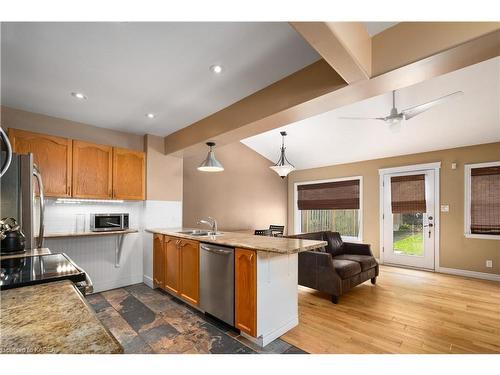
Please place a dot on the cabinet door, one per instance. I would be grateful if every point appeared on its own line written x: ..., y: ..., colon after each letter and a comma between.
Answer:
x: 128, y: 174
x: 245, y: 274
x: 92, y: 170
x: 158, y: 261
x: 172, y: 265
x: 51, y: 154
x: 190, y: 271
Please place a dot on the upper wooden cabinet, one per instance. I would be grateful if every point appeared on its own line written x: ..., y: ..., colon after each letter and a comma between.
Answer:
x: 79, y: 169
x: 51, y: 154
x: 245, y: 291
x: 92, y: 170
x: 129, y: 174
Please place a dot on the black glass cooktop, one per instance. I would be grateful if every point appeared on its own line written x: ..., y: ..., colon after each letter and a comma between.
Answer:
x: 30, y: 270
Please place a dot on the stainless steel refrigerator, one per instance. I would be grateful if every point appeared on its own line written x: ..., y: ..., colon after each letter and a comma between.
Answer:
x: 18, y: 178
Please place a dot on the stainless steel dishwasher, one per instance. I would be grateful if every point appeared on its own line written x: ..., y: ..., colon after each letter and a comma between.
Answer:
x: 217, y: 281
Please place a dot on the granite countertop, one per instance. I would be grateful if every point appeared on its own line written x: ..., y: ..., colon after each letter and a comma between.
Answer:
x: 279, y: 245
x: 52, y: 318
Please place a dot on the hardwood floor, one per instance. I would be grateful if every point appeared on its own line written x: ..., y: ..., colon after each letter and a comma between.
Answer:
x: 408, y: 311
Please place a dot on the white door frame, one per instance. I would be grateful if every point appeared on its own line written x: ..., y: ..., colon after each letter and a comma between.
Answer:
x: 437, y: 204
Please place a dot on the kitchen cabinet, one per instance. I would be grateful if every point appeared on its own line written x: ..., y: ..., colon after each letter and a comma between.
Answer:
x: 190, y: 271
x: 181, y: 267
x: 129, y: 174
x: 92, y: 170
x: 172, y: 264
x: 245, y: 290
x: 51, y: 154
x: 158, y: 261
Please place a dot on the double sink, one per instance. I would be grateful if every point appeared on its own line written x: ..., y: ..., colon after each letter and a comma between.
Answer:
x: 200, y: 233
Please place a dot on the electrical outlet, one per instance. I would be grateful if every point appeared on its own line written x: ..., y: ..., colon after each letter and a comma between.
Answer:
x: 489, y: 263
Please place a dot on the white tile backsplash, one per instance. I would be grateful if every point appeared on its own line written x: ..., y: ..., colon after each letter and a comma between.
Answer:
x: 96, y: 255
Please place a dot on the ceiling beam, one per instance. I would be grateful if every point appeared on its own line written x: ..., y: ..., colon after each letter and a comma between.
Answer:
x: 346, y: 46
x: 307, y: 84
x: 408, y: 42
x: 306, y: 94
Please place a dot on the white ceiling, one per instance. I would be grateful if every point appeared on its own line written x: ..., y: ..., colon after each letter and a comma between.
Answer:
x: 473, y: 118
x: 374, y: 28
x: 130, y: 69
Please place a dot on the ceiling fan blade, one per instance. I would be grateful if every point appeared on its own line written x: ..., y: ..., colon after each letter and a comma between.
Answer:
x: 362, y: 118
x: 418, y: 109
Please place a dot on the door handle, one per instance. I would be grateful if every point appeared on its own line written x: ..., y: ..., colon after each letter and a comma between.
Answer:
x: 430, y: 225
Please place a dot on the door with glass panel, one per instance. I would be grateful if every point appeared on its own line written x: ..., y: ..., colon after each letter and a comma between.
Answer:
x: 409, y: 218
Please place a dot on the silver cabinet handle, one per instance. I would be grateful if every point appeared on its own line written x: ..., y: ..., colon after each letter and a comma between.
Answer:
x: 38, y: 176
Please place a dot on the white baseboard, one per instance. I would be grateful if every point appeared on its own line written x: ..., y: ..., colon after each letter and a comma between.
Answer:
x: 118, y: 283
x: 466, y: 273
x: 148, y: 281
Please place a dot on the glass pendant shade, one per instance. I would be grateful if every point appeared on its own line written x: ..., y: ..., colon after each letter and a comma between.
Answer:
x: 283, y: 167
x: 211, y: 164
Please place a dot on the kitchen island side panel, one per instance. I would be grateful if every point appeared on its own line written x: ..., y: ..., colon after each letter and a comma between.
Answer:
x: 277, y: 295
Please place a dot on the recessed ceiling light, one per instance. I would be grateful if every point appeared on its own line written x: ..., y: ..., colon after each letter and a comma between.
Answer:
x: 78, y: 95
x: 217, y: 69
x: 150, y: 115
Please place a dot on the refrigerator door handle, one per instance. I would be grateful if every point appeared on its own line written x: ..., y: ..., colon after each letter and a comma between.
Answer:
x: 6, y: 165
x: 38, y: 176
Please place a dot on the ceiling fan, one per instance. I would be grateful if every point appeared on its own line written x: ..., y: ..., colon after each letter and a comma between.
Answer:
x: 395, y: 117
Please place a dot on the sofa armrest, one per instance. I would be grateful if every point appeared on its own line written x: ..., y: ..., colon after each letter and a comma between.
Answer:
x: 316, y: 271
x: 357, y: 248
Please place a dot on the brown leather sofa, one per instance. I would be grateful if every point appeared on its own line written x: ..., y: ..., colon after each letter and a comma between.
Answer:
x: 338, y: 267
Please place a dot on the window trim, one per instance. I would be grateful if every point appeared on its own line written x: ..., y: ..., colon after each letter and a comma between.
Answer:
x: 467, y: 201
x: 296, y: 211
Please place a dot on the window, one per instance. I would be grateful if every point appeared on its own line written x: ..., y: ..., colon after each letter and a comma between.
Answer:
x: 482, y: 200
x: 329, y: 205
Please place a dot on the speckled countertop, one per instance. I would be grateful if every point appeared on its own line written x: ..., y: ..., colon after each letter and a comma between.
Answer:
x: 279, y: 245
x: 51, y: 318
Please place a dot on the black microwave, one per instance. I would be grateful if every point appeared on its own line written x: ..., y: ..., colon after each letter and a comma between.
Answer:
x: 108, y: 222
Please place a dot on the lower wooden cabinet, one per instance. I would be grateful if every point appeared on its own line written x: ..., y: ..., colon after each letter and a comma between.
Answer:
x: 178, y: 262
x: 245, y: 291
x: 190, y: 271
x: 172, y: 264
x: 158, y: 261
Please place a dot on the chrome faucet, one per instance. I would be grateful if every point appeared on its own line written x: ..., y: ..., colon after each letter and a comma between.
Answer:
x: 210, y: 221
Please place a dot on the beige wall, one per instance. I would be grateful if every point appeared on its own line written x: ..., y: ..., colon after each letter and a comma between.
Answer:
x: 164, y: 173
x: 456, y: 250
x: 36, y: 122
x: 246, y: 196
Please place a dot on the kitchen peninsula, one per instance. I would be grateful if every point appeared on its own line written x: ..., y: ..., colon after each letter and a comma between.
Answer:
x: 265, y: 276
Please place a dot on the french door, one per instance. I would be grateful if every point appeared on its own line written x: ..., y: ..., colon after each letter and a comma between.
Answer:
x: 409, y: 219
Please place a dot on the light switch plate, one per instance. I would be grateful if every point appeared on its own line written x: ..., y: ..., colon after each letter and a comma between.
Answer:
x: 445, y: 208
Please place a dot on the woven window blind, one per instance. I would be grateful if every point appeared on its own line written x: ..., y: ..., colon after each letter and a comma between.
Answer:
x: 338, y: 195
x: 408, y: 194
x: 485, y: 200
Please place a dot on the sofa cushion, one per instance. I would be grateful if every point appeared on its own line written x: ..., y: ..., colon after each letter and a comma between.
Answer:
x: 335, y: 244
x: 366, y: 261
x: 346, y: 268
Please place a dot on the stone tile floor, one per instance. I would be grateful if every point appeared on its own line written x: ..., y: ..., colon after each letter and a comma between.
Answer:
x: 151, y: 321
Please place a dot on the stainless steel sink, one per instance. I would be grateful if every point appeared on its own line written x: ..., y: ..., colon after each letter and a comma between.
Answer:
x: 200, y: 233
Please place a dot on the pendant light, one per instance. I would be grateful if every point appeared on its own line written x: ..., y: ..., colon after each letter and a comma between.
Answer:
x: 283, y: 167
x: 211, y: 164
